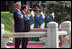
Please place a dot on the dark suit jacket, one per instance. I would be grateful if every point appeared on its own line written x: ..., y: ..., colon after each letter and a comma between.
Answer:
x: 27, y: 22
x: 18, y: 21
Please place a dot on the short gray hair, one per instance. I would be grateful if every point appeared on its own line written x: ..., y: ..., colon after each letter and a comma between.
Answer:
x: 17, y: 3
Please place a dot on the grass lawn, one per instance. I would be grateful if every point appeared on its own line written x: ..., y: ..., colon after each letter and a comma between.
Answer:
x: 7, y: 20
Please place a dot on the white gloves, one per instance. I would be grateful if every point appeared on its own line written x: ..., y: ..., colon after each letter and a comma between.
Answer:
x: 53, y: 15
x: 32, y: 13
x: 42, y: 14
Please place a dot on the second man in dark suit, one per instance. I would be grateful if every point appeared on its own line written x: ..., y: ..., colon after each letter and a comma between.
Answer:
x: 25, y: 10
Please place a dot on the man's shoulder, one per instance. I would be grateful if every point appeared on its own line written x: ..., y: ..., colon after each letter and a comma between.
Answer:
x: 17, y: 12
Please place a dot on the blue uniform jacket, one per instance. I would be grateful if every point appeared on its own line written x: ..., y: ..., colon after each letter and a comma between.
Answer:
x: 47, y: 19
x: 36, y: 21
x: 31, y: 20
x: 41, y: 20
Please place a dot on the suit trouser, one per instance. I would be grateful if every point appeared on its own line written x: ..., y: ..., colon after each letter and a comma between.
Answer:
x: 19, y: 40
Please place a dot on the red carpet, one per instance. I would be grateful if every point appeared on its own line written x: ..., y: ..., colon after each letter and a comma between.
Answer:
x: 32, y: 46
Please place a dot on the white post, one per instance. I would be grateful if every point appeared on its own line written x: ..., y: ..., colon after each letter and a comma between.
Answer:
x: 52, y: 35
x: 66, y: 26
x: 2, y: 31
x: 3, y: 40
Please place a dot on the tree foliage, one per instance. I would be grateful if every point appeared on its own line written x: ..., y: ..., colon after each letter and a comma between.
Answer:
x: 11, y: 6
x: 62, y: 10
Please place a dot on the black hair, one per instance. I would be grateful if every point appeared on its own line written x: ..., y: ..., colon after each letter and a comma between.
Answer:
x: 23, y: 7
x: 34, y: 6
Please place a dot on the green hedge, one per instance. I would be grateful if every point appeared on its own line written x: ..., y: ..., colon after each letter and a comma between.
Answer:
x: 7, y: 20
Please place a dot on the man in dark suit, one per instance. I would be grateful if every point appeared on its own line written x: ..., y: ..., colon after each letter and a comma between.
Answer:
x: 25, y: 10
x: 19, y: 25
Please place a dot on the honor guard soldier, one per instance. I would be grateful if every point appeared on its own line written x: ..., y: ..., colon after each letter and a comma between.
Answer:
x: 36, y: 18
